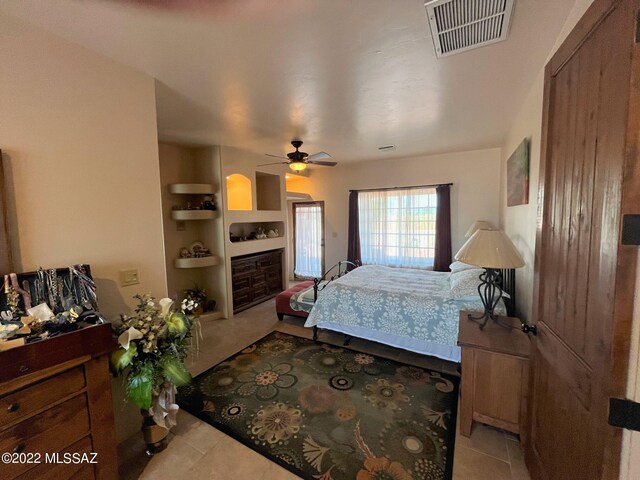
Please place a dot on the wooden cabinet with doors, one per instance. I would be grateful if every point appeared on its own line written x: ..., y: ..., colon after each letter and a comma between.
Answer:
x: 495, y: 374
x: 585, y: 276
x: 255, y: 278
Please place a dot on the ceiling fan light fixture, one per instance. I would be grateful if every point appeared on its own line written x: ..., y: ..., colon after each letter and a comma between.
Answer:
x: 297, y: 166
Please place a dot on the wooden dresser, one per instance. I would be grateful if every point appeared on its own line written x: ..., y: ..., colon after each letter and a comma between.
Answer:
x: 255, y: 278
x: 495, y: 374
x: 55, y: 396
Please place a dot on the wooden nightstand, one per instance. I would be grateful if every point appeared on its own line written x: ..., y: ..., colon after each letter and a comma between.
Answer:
x: 495, y: 375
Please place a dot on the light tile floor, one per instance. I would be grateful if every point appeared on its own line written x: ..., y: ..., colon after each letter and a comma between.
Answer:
x: 197, y: 451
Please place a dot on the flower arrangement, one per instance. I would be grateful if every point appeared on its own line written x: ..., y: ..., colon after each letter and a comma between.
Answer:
x: 153, y: 345
x: 195, y: 299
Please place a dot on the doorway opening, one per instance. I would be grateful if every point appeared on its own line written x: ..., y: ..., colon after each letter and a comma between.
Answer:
x: 308, y: 239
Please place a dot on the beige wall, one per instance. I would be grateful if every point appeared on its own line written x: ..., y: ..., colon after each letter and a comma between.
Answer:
x: 78, y: 134
x: 520, y: 222
x: 181, y: 164
x: 474, y: 194
x: 238, y: 161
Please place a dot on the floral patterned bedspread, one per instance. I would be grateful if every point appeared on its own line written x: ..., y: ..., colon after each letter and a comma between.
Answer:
x: 397, y: 306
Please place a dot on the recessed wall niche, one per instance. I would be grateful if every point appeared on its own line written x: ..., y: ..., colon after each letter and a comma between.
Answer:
x: 244, y: 231
x: 267, y: 191
x: 239, y: 195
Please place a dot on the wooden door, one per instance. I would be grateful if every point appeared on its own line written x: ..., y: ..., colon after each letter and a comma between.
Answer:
x: 584, y: 278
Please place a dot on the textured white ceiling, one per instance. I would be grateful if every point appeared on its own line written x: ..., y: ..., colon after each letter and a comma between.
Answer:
x: 346, y: 76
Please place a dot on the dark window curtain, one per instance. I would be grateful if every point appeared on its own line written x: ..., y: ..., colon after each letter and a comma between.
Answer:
x: 442, y: 258
x: 353, y: 248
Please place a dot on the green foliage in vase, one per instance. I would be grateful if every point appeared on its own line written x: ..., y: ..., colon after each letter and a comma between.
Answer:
x: 153, y: 345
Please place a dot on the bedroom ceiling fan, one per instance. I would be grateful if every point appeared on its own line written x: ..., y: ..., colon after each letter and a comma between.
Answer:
x: 298, y: 160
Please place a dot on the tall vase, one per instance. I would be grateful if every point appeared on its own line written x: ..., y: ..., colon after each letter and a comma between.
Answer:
x: 154, y: 435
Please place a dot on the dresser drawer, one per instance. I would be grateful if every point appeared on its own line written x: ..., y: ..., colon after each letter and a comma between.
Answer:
x: 260, y: 291
x: 258, y: 279
x: 22, y: 403
x: 85, y: 473
x: 271, y: 259
x: 60, y: 471
x: 49, y: 431
x: 273, y: 270
x: 243, y: 266
x: 242, y: 297
x: 241, y: 282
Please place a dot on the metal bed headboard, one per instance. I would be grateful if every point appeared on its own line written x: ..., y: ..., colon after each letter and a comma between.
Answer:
x: 509, y: 286
x: 338, y: 270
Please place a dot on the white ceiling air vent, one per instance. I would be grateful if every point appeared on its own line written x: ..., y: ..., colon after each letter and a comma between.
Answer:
x: 460, y: 25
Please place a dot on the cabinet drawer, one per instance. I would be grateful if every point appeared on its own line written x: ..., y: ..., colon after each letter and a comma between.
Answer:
x: 258, y: 279
x: 22, y: 403
x: 85, y: 473
x: 275, y: 286
x: 243, y: 266
x: 59, y: 471
x: 273, y: 270
x: 260, y: 291
x: 242, y: 297
x: 271, y: 259
x: 242, y: 282
x: 49, y: 431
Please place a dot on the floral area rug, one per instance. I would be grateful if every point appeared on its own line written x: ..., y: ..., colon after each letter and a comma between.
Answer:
x: 329, y: 413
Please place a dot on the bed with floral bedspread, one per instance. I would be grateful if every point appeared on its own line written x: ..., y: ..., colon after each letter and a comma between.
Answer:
x: 405, y: 308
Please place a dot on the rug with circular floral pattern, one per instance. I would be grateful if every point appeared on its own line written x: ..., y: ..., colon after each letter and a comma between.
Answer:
x: 330, y: 413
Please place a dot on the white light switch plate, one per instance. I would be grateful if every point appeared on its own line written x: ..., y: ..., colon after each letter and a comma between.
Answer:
x: 129, y: 277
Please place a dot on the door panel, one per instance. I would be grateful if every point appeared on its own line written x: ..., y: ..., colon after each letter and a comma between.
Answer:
x: 586, y: 114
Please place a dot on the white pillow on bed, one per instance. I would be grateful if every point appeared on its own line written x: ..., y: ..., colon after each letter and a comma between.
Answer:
x: 464, y: 284
x: 456, y: 267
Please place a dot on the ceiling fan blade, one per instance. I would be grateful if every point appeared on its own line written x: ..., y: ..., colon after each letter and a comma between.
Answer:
x: 276, y: 163
x: 318, y: 156
x: 276, y: 156
x: 324, y: 164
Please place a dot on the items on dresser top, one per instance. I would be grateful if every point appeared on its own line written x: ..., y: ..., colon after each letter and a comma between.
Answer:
x: 45, y: 303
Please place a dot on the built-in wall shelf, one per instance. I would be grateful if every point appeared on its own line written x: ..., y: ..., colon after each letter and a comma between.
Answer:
x: 191, y: 188
x: 196, y: 262
x: 193, y: 214
x: 254, y: 246
x: 248, y: 230
x: 298, y: 196
x: 257, y: 239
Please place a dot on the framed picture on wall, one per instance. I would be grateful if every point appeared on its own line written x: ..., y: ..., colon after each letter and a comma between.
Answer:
x: 518, y: 175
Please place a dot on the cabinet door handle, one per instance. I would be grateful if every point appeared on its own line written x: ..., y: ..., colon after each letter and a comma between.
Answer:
x: 13, y: 407
x: 19, y: 448
x: 24, y: 369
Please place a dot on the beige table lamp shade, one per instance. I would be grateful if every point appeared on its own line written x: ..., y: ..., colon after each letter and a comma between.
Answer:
x: 479, y: 225
x: 490, y: 249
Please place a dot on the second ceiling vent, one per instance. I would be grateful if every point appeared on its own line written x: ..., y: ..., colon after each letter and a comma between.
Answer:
x: 461, y: 25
